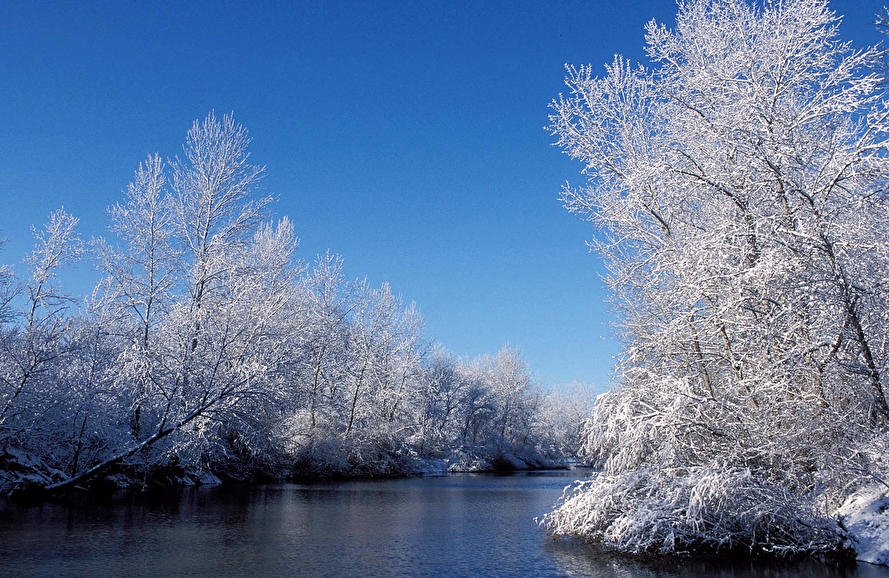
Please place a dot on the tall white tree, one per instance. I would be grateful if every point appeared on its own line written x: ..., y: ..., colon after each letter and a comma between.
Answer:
x: 221, y: 332
x: 739, y: 187
x: 142, y: 272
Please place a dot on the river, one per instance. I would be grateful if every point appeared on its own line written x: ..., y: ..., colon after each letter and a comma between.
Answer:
x: 451, y: 525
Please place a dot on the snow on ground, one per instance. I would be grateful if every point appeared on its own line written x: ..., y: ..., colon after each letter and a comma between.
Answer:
x: 864, y: 514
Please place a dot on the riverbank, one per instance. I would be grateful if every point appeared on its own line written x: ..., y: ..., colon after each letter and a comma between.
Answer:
x: 23, y: 475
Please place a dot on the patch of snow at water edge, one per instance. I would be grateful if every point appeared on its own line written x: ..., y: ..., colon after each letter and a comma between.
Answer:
x: 864, y: 514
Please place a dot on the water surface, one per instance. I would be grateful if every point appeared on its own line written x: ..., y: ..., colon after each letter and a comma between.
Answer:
x: 455, y: 525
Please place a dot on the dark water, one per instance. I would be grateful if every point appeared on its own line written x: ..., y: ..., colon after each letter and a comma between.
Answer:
x: 460, y: 525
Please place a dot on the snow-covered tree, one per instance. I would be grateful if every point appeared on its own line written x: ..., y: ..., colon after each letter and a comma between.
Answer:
x: 438, y: 402
x: 739, y: 186
x: 331, y: 301
x: 141, y: 272
x: 560, y: 417
x: 205, y: 288
x: 32, y: 348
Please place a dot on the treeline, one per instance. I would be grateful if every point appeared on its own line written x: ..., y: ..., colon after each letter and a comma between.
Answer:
x: 208, y: 349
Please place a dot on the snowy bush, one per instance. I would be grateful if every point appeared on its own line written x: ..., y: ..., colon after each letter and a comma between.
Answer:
x: 654, y: 510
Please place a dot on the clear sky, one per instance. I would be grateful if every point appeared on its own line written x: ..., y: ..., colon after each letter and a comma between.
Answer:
x: 406, y: 136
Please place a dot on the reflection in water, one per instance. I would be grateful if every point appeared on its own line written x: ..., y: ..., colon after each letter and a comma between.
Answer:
x: 462, y: 525
x: 576, y: 559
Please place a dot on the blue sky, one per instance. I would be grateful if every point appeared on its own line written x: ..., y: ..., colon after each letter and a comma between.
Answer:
x: 406, y: 136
